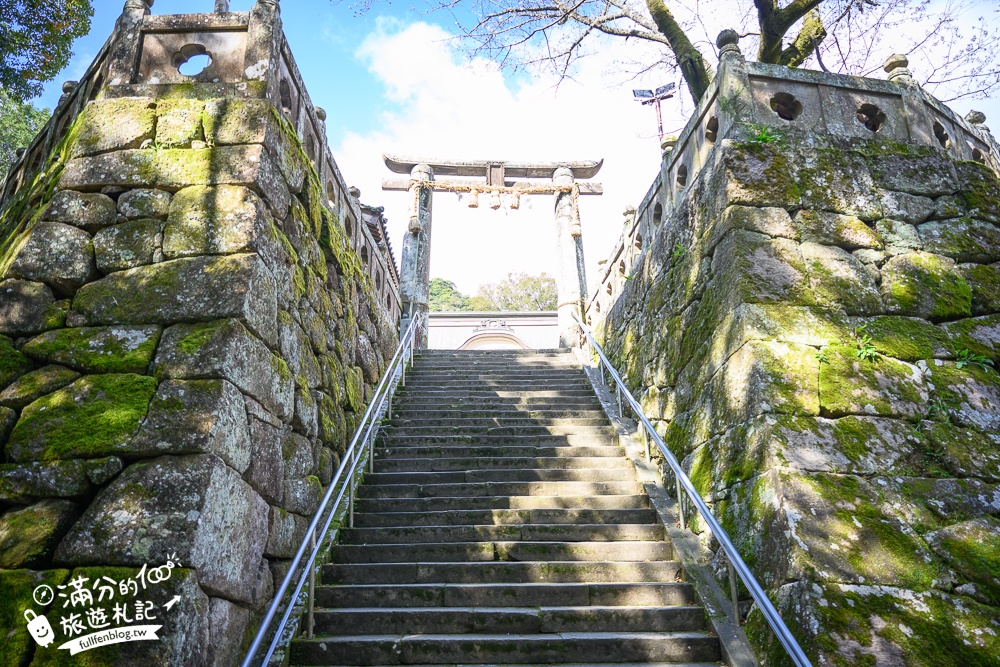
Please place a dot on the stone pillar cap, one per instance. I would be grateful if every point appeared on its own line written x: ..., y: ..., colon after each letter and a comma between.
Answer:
x: 69, y: 86
x: 727, y: 37
x: 894, y: 62
x: 976, y: 117
x: 321, y: 113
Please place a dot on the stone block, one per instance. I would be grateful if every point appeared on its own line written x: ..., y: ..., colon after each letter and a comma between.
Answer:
x: 175, y: 168
x: 225, y: 349
x: 144, y: 203
x: 972, y: 548
x: 34, y: 385
x: 16, y: 645
x: 984, y: 280
x: 297, y: 453
x: 8, y: 418
x: 98, y: 415
x: 113, y: 124
x: 849, y: 385
x: 926, y: 175
x: 28, y: 308
x: 761, y: 175
x: 127, y: 245
x: 844, y: 231
x: 328, y: 461
x: 774, y: 222
x: 840, y: 280
x: 899, y: 237
x: 962, y: 239
x: 368, y: 360
x: 305, y: 419
x: 24, y: 482
x: 837, y: 181
x: 262, y: 590
x: 13, y: 364
x: 185, y: 290
x: 949, y: 206
x: 220, y: 220
x: 114, y: 349
x: 100, y: 471
x: 980, y: 335
x: 266, y: 472
x: 60, y: 255
x: 907, y: 208
x: 924, y: 285
x: 227, y: 626
x: 980, y: 190
x: 195, y: 417
x: 964, y: 452
x: 178, y: 122
x: 754, y: 268
x: 971, y: 394
x: 91, y: 211
x: 194, y: 506
x: 907, y: 338
x: 332, y: 422
x: 29, y: 535
x: 303, y: 496
x: 285, y: 533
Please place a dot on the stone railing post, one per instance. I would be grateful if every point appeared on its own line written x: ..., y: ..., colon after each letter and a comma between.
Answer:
x: 124, y: 55
x: 735, y: 98
x: 261, y: 63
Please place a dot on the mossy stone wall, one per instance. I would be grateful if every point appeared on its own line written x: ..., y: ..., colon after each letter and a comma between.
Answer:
x: 813, y: 328
x: 185, y: 334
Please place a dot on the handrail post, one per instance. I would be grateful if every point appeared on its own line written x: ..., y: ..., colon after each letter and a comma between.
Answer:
x: 350, y: 497
x: 310, y: 619
x: 680, y: 501
x: 734, y: 591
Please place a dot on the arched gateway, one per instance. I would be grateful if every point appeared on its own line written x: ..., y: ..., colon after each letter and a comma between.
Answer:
x: 493, y: 178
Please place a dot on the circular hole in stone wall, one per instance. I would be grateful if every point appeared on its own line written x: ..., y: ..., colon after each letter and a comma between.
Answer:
x: 608, y: 288
x: 638, y: 242
x: 597, y: 306
x: 712, y: 129
x: 621, y: 267
x: 786, y: 106
x: 657, y: 213
x: 192, y: 59
x: 978, y: 156
x: 871, y: 117
x: 941, y: 135
x: 682, y: 175
x: 285, y: 93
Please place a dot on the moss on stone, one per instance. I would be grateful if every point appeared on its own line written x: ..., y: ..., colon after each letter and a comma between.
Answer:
x: 13, y: 364
x: 93, y: 417
x: 906, y: 338
x: 924, y: 285
x: 199, y: 336
x: 886, y: 387
x: 16, y: 646
x: 122, y: 349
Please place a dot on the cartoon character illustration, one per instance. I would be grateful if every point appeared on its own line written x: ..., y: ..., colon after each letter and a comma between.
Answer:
x: 39, y: 628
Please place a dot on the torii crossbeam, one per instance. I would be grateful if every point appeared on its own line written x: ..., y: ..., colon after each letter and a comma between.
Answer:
x: 493, y: 177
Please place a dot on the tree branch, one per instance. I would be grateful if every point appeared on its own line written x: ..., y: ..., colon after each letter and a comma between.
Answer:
x: 696, y: 71
x: 806, y: 42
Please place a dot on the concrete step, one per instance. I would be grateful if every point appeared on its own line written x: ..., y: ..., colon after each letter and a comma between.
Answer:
x: 513, y: 421
x: 539, y: 532
x: 588, y: 412
x: 506, y: 595
x: 473, y: 393
x: 504, y: 517
x: 420, y: 401
x: 604, y: 502
x: 609, y: 474
x: 501, y: 572
x: 541, y: 648
x: 501, y: 551
x: 403, y: 438
x: 483, y: 454
x: 389, y: 463
x: 487, y: 429
x: 499, y: 489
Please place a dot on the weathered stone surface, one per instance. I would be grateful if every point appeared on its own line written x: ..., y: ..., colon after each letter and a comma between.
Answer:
x: 907, y: 208
x: 297, y: 351
x: 23, y: 482
x: 88, y: 210
x: 984, y: 280
x: 114, y: 349
x: 368, y: 360
x: 844, y: 231
x: 840, y: 280
x: 964, y: 452
x: 297, y: 452
x: 36, y: 384
x: 194, y: 417
x: 980, y: 190
x: 100, y: 471
x: 303, y: 496
x: 13, y: 364
x: 185, y: 290
x: 114, y: 124
x: 127, y: 245
x: 306, y: 417
x: 971, y: 394
x: 973, y: 549
x: 837, y: 181
x: 759, y: 175
x: 194, y: 506
x: 758, y: 269
x: 220, y: 220
x: 962, y: 239
x: 772, y: 221
x: 980, y: 335
x: 328, y: 461
x: 285, y: 533
x: 930, y: 175
x: 226, y: 349
x: 266, y: 471
x: 331, y: 421
x: 935, y: 502
x: 57, y: 254
x: 95, y: 416
x: 899, y: 237
x: 176, y: 168
x: 28, y: 536
x: 906, y: 338
x: 227, y: 624
x: 183, y: 638
x: 7, y: 420
x: 144, y: 203
x: 849, y: 385
x: 924, y: 285
x: 263, y: 585
x: 178, y: 122
x: 28, y: 308
x: 16, y: 645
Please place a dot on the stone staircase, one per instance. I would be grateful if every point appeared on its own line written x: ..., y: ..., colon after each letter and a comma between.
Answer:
x: 503, y: 525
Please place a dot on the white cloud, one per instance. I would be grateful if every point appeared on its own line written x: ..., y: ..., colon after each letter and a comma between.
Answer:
x: 438, y: 105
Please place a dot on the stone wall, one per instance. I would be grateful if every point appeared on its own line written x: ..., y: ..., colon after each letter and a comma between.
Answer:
x: 813, y: 324
x: 187, y: 340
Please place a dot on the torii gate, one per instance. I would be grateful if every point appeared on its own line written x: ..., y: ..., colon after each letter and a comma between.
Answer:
x: 493, y: 178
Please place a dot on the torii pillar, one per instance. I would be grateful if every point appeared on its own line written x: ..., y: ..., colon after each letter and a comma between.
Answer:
x: 572, y: 279
x: 415, y: 269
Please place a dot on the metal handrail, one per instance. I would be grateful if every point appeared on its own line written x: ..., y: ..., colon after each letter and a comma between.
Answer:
x: 381, y: 403
x: 736, y: 564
